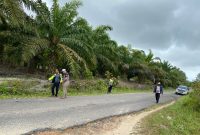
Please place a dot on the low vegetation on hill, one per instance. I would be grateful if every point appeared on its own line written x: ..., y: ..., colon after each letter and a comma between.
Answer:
x: 31, y: 87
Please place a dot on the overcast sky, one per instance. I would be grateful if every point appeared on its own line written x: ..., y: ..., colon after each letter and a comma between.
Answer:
x: 170, y: 28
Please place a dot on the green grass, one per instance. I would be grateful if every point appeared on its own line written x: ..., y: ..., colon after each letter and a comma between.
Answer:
x: 89, y: 92
x: 71, y: 92
x: 178, y: 119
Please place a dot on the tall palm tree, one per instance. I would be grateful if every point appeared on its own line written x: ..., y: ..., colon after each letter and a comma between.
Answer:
x: 63, y: 32
x: 105, y: 50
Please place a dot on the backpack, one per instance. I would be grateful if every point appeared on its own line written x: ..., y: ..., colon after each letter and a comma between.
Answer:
x: 158, y: 89
x: 56, y: 79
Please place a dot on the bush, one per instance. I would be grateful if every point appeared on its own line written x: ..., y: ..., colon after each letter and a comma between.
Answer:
x: 108, y: 76
x: 88, y: 74
x: 89, y: 85
x: 16, y: 87
x: 12, y: 88
x: 194, y: 101
x: 194, y: 98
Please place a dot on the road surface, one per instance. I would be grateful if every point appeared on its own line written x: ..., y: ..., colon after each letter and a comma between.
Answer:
x: 27, y: 115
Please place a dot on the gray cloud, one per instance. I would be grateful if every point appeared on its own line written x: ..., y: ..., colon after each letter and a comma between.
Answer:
x: 183, y: 58
x: 169, y: 27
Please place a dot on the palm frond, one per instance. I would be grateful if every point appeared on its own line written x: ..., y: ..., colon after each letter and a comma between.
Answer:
x: 149, y: 57
x: 12, y: 11
x: 103, y: 29
x: 106, y: 62
x: 69, y: 55
x: 82, y: 49
x: 32, y: 47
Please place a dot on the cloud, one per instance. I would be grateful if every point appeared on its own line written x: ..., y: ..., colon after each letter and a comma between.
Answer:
x: 147, y: 23
x: 182, y: 58
x: 48, y: 2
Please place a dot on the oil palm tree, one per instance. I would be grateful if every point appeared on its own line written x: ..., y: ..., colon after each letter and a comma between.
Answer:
x: 62, y: 31
x: 105, y: 50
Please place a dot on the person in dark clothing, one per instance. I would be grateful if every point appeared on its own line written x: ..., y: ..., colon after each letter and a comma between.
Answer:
x: 56, y: 80
x: 158, y: 89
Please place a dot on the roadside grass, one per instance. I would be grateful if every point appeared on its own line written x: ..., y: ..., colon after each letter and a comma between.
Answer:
x: 46, y: 94
x: 116, y: 90
x: 27, y: 88
x: 71, y: 92
x: 178, y: 119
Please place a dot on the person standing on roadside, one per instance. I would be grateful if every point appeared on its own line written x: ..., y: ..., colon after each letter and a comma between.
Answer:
x: 110, y: 85
x: 158, y: 89
x: 65, y: 82
x: 56, y: 80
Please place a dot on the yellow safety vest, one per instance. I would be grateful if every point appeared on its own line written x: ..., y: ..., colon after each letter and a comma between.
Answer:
x: 51, y: 78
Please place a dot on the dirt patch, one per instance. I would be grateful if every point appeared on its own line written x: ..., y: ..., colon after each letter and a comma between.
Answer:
x: 118, y: 125
x: 131, y: 123
x: 49, y: 133
x: 93, y: 128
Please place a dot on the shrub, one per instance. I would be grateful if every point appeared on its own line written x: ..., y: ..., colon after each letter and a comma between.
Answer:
x: 194, y: 97
x: 17, y: 87
x: 109, y: 75
x: 12, y: 88
x: 88, y: 85
x: 88, y: 74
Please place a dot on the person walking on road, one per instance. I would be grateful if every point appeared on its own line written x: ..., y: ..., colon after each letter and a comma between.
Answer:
x: 158, y: 89
x: 65, y: 82
x: 56, y: 80
x: 110, y: 85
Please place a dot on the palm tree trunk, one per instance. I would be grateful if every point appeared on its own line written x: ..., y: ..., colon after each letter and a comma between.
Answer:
x: 1, y: 53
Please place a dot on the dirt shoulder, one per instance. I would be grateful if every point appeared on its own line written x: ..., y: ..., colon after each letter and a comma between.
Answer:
x: 119, y: 125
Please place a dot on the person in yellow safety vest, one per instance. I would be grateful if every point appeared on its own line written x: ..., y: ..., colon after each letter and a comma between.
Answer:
x: 110, y: 85
x: 56, y: 80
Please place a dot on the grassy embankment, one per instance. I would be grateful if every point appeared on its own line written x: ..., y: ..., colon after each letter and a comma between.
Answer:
x: 34, y: 88
x: 182, y: 118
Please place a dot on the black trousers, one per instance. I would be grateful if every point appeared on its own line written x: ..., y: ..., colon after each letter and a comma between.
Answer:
x: 157, y: 95
x: 109, y: 89
x: 55, y: 85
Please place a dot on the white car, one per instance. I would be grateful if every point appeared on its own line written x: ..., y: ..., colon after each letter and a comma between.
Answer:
x: 183, y: 90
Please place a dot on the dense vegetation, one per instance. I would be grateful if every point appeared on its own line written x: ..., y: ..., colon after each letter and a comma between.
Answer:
x: 57, y: 37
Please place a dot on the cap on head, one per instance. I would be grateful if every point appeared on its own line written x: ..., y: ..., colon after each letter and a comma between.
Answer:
x: 64, y: 70
x: 158, y: 82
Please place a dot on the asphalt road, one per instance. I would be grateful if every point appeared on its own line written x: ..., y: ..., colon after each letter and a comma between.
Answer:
x: 26, y: 115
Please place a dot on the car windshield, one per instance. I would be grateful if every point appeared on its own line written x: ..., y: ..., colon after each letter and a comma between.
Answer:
x: 183, y: 87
